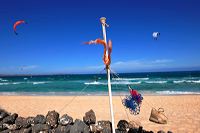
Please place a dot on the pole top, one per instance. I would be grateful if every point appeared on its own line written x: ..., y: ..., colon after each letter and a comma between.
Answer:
x: 103, y: 21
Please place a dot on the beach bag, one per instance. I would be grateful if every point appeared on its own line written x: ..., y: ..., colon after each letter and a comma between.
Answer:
x: 158, y: 116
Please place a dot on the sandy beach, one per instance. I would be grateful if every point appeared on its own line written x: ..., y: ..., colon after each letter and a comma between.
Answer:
x: 182, y: 111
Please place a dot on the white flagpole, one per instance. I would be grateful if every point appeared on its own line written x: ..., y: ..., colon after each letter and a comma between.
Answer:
x: 103, y: 22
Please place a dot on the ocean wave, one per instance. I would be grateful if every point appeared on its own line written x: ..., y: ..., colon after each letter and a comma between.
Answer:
x: 179, y: 81
x: 14, y: 83
x: 186, y: 81
x: 130, y: 79
x: 3, y: 80
x: 4, y: 83
x: 193, y: 81
x: 94, y: 83
x: 113, y: 83
x: 156, y: 82
x: 41, y: 82
x: 176, y: 92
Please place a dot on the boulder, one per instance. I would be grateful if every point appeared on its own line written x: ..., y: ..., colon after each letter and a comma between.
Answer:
x: 3, y: 114
x: 30, y: 121
x: 25, y: 130
x: 133, y: 130
x: 39, y: 119
x: 169, y: 132
x: 10, y: 119
x: 62, y: 129
x: 89, y: 117
x: 65, y: 120
x: 120, y: 131
x: 105, y: 125
x: 6, y: 131
x: 40, y: 127
x: 52, y: 118
x: 95, y: 128
x: 79, y: 127
x: 2, y: 126
x: 11, y: 127
x: 140, y: 130
x: 123, y: 125
x: 22, y: 122
x: 106, y: 130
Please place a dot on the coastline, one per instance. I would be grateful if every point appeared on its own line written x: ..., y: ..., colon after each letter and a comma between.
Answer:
x: 182, y: 110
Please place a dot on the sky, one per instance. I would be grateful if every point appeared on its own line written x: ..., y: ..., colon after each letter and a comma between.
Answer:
x: 52, y: 40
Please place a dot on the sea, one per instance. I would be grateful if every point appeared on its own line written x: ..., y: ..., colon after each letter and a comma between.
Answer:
x: 147, y: 83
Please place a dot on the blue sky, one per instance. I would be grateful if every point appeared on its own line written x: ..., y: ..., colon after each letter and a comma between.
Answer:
x: 52, y: 41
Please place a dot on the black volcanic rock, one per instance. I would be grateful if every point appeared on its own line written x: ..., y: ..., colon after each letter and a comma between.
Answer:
x: 3, y: 114
x: 106, y: 126
x: 79, y: 127
x: 39, y: 119
x: 2, y: 126
x: 120, y: 131
x: 30, y: 120
x: 22, y: 122
x: 25, y: 130
x: 52, y: 118
x: 89, y: 117
x: 11, y: 126
x: 6, y: 131
x: 62, y: 129
x: 40, y: 127
x: 10, y: 119
x: 123, y: 125
x: 65, y: 120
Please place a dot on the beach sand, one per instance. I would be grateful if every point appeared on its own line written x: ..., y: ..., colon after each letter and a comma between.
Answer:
x: 183, y: 111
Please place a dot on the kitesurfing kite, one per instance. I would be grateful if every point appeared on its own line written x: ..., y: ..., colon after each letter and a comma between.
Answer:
x: 106, y: 57
x: 133, y: 101
x: 156, y: 35
x: 19, y: 22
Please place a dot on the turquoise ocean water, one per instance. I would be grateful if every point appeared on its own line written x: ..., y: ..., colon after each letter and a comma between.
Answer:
x: 161, y: 83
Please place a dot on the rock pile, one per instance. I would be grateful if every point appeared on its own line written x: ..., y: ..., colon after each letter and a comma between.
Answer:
x: 51, y: 123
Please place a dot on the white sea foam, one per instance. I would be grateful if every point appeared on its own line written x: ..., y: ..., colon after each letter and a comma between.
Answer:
x: 94, y: 83
x: 176, y: 92
x: 4, y: 83
x: 130, y: 79
x: 179, y: 81
x: 156, y: 82
x: 193, y: 81
x: 113, y: 83
x: 14, y: 83
x: 3, y: 80
x: 42, y: 82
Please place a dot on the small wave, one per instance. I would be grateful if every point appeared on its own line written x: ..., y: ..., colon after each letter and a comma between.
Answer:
x: 176, y: 92
x: 4, y: 83
x: 3, y: 80
x: 94, y: 83
x: 113, y: 83
x: 156, y: 82
x: 193, y: 81
x: 36, y: 83
x: 14, y: 83
x: 25, y: 78
x: 178, y: 81
x: 130, y: 79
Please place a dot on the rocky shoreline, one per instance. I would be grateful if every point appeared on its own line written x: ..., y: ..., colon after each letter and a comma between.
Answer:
x: 53, y: 123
